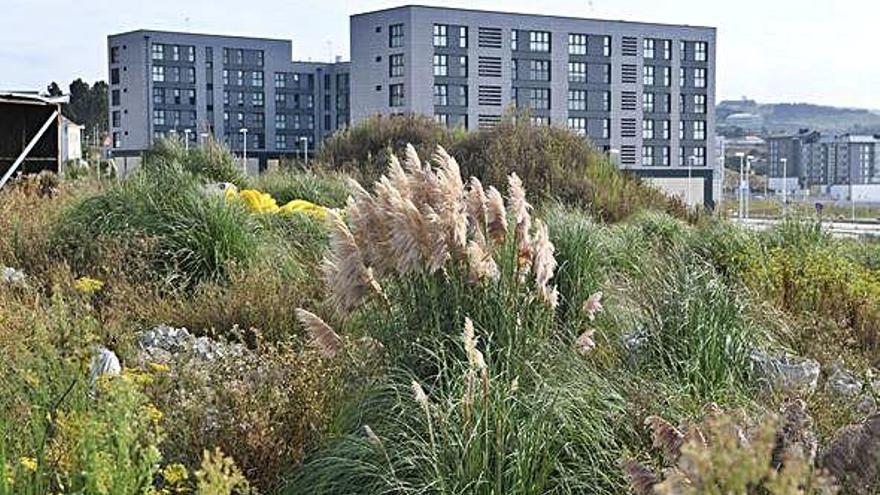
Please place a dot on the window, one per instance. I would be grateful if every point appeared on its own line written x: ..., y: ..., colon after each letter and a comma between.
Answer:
x: 606, y: 72
x: 239, y: 78
x: 225, y: 77
x: 683, y: 49
x: 577, y: 72
x: 699, y: 103
x: 539, y: 41
x: 606, y: 101
x: 577, y: 100
x: 606, y: 46
x: 157, y: 52
x: 667, y: 77
x: 648, y: 102
x: 240, y: 98
x: 441, y: 118
x: 395, y: 92
x: 606, y: 128
x: 395, y: 36
x: 681, y: 126
x: 664, y: 156
x: 648, y: 75
x: 699, y: 130
x: 190, y: 54
x: 117, y: 140
x: 539, y: 70
x: 701, y: 49
x: 175, y: 96
x: 114, y: 97
x: 681, y: 155
x: 257, y: 79
x: 280, y: 141
x: 441, y: 66
x: 577, y: 44
x: 699, y: 156
x: 260, y: 58
x: 115, y: 118
x: 647, y: 156
x: 175, y: 53
x: 280, y: 121
x: 682, y: 77
x: 158, y: 73
x: 226, y: 97
x: 513, y: 69
x: 257, y: 99
x: 462, y: 96
x: 667, y: 49
x: 441, y: 95
x: 114, y: 54
x: 578, y: 125
x: 280, y: 80
x: 648, y: 48
x: 114, y: 75
x: 537, y: 120
x: 513, y: 40
x: 539, y: 98
x: 239, y: 56
x: 462, y: 36
x: 280, y: 100
x: 665, y: 131
x: 462, y: 66
x: 395, y: 65
x: 647, y: 129
x: 440, y: 35
x: 158, y: 117
x: 699, y: 78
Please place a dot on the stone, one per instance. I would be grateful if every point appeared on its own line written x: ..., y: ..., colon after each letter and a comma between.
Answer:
x: 11, y: 276
x: 785, y: 374
x: 852, y: 456
x: 104, y: 362
x: 164, y: 343
x: 843, y: 384
x: 795, y: 435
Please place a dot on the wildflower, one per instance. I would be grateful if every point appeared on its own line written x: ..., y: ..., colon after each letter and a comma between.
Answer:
x: 28, y: 463
x: 159, y: 368
x: 88, y: 285
x: 153, y: 413
x: 322, y: 335
x: 419, y: 394
x: 584, y: 344
x: 593, y: 305
x: 304, y: 207
x: 174, y: 474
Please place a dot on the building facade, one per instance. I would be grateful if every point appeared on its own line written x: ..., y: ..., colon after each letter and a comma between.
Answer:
x: 643, y: 92
x: 195, y: 86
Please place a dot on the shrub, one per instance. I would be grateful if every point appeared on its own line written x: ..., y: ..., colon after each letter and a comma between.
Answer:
x: 327, y: 189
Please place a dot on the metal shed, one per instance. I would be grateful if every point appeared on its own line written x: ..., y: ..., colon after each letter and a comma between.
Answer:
x: 30, y: 136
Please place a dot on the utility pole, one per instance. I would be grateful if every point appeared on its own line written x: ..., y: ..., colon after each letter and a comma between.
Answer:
x: 244, y: 132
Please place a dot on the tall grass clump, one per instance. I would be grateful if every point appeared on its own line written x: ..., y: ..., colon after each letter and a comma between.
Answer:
x: 457, y: 285
x: 328, y: 189
x: 163, y: 216
x: 210, y: 160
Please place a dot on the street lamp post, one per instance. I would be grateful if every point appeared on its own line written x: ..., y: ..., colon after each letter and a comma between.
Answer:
x: 186, y: 133
x: 691, y: 162
x: 742, y: 157
x: 244, y: 132
x: 748, y: 192
x: 304, y: 144
x: 784, y: 185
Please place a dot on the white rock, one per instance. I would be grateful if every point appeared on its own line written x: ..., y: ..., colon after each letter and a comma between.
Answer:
x: 10, y: 275
x: 785, y: 374
x: 104, y: 362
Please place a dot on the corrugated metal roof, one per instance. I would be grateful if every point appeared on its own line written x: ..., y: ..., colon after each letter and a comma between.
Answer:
x: 32, y: 98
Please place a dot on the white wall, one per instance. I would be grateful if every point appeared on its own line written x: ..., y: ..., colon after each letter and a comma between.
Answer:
x: 869, y: 193
x: 678, y: 186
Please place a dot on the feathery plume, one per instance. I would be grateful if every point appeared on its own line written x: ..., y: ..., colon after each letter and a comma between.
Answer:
x: 496, y: 221
x: 475, y: 357
x: 514, y: 385
x: 641, y: 479
x: 371, y: 436
x: 344, y: 271
x: 397, y: 176
x: 584, y: 343
x: 476, y: 206
x: 666, y: 437
x: 519, y: 208
x: 327, y: 341
x: 481, y: 264
x: 544, y: 264
x: 419, y: 395
x: 593, y: 305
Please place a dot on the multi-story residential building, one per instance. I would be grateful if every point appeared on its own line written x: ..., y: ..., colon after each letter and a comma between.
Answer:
x: 196, y: 85
x: 643, y: 92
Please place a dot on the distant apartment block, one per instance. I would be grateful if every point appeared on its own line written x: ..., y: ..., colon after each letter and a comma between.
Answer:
x: 194, y: 86
x: 842, y: 165
x: 644, y: 92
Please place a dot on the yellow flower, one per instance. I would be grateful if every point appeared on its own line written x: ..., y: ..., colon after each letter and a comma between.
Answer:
x: 153, y: 413
x: 159, y: 368
x: 31, y: 378
x: 88, y: 285
x: 304, y: 207
x: 174, y: 474
x: 29, y: 463
x: 258, y: 202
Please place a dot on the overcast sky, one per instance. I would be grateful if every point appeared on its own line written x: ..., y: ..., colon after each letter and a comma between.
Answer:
x: 816, y: 51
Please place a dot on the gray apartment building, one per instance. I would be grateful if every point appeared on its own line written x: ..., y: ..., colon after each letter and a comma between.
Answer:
x: 194, y: 85
x: 643, y: 92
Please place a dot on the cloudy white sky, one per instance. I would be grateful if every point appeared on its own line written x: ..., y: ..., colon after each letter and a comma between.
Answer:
x: 817, y: 51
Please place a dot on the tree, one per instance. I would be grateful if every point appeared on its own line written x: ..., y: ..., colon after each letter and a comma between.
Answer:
x: 54, y: 89
x: 87, y: 106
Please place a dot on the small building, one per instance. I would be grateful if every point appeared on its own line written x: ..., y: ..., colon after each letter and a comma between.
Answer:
x: 71, y: 141
x: 31, y: 132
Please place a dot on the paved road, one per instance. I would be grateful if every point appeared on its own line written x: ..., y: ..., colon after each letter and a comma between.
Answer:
x: 836, y: 227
